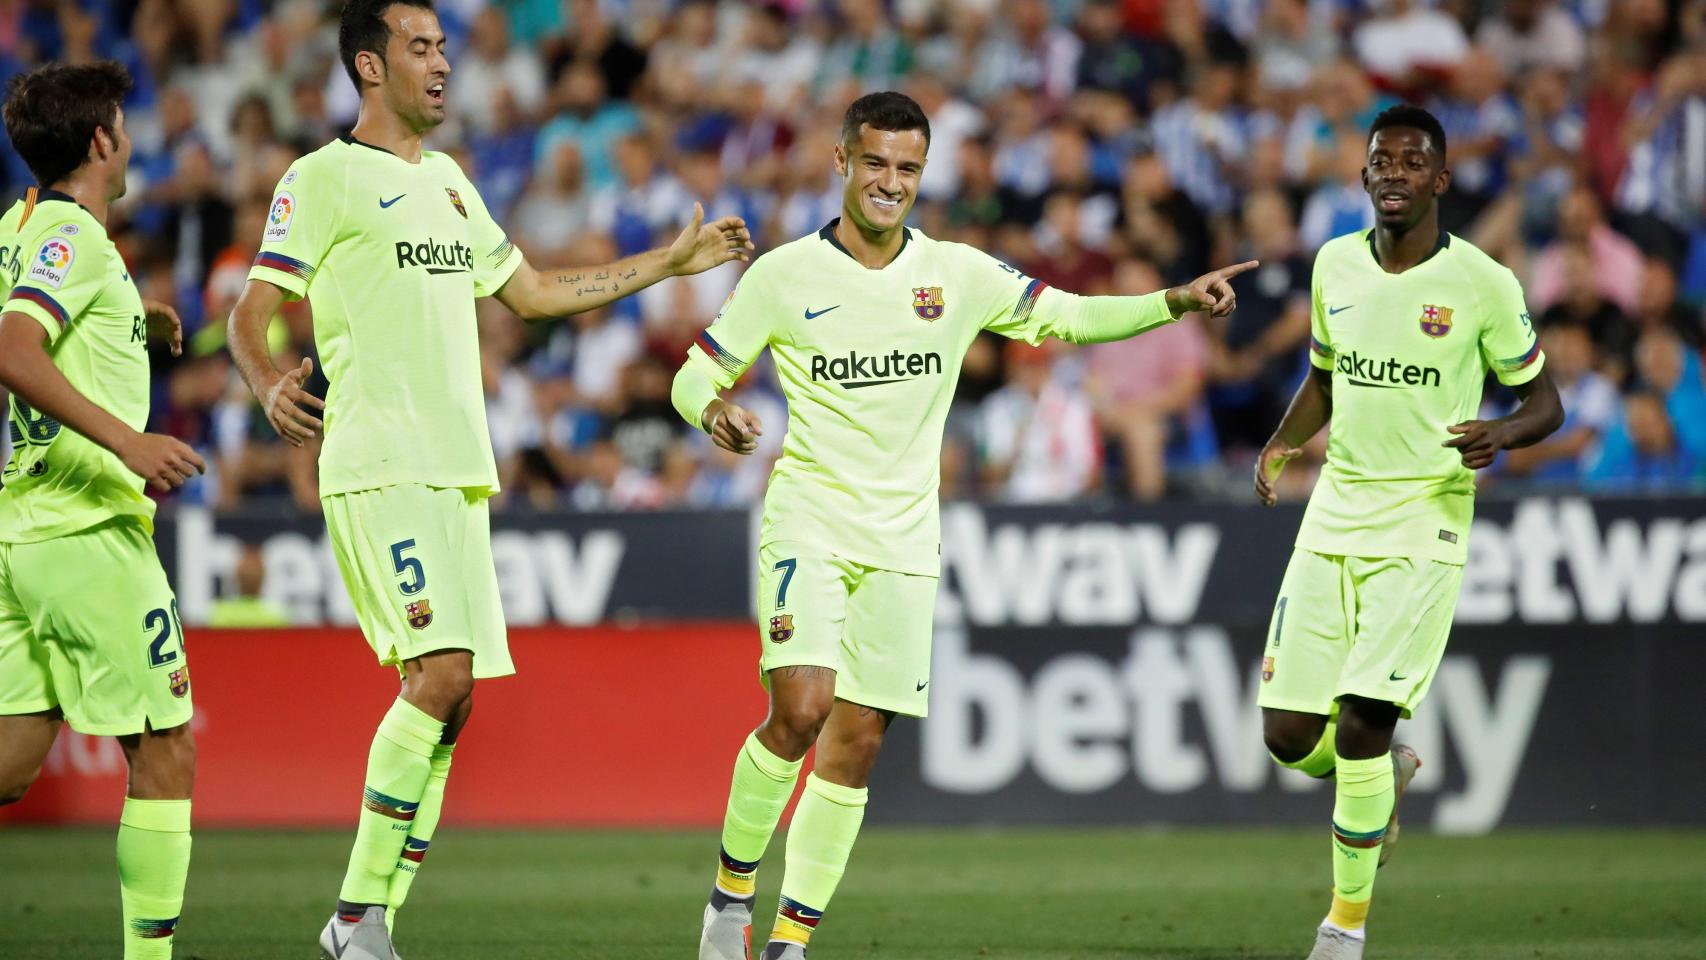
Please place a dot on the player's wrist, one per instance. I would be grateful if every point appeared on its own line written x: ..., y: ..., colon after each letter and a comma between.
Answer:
x: 1177, y: 304
x: 713, y: 410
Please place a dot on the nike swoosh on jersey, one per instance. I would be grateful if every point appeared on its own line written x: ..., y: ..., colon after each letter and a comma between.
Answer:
x: 386, y: 204
x: 1335, y: 311
x: 923, y: 684
x: 1393, y: 676
x: 813, y: 315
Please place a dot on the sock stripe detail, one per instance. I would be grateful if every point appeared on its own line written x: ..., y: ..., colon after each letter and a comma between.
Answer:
x: 1358, y: 840
x: 737, y: 866
x: 414, y: 850
x: 375, y: 802
x: 153, y: 929
x: 799, y: 913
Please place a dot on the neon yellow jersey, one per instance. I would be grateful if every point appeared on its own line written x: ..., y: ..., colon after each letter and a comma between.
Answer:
x: 1409, y: 353
x: 392, y: 255
x: 868, y: 360
x: 58, y: 267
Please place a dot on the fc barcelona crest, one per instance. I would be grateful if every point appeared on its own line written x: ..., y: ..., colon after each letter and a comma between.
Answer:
x: 180, y: 680
x: 927, y: 302
x: 1267, y: 669
x: 420, y: 614
x: 782, y: 628
x: 456, y: 201
x: 1436, y: 321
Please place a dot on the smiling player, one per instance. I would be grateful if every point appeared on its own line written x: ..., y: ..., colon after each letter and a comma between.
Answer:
x: 867, y: 321
x: 392, y: 244
x: 1407, y: 322
x: 89, y: 631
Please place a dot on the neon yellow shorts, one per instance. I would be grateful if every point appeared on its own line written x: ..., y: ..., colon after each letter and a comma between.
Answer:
x: 417, y: 562
x: 871, y: 626
x: 88, y: 624
x: 1367, y: 627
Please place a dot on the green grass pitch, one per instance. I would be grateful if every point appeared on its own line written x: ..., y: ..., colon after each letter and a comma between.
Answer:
x: 910, y: 894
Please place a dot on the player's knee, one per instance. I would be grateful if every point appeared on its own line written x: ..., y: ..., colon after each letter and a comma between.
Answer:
x: 441, y: 693
x: 862, y: 747
x: 14, y: 785
x: 796, y: 726
x: 1290, y: 738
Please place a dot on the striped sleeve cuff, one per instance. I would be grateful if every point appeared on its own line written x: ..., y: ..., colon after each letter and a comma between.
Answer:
x: 1028, y: 302
x: 1320, y: 354
x: 42, y: 307
x: 287, y: 273
x: 730, y: 365
x: 1520, y: 369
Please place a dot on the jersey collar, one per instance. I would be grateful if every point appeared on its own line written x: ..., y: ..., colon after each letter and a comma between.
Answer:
x: 349, y: 138
x: 1443, y: 242
x: 828, y: 233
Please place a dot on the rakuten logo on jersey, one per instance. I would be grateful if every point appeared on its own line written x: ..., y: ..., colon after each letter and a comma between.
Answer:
x: 436, y: 257
x: 859, y: 370
x: 1363, y: 371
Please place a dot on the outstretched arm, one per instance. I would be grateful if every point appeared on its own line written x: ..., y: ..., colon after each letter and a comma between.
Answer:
x: 28, y: 372
x: 1043, y: 311
x: 1311, y: 408
x: 536, y: 295
x: 1540, y: 413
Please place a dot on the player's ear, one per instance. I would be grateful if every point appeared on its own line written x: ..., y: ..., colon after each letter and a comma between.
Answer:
x: 841, y: 160
x: 1442, y: 181
x: 370, y: 66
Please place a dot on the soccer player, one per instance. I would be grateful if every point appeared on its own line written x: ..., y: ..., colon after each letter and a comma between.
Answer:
x: 867, y: 321
x: 1407, y: 322
x: 89, y: 631
x: 392, y: 244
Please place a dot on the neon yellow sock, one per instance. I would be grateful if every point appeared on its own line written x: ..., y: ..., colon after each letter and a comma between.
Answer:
x: 397, y: 769
x: 1363, y: 805
x: 1320, y: 761
x: 153, y: 862
x: 819, y: 842
x: 760, y: 788
x: 420, y: 832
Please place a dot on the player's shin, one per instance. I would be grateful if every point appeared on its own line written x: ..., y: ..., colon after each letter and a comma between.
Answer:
x: 759, y: 790
x: 420, y: 832
x: 398, y: 767
x: 153, y: 862
x: 819, y: 842
x: 1363, y: 804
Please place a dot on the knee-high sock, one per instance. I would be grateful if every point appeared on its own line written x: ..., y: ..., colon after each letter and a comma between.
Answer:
x: 819, y: 841
x: 1319, y: 763
x: 1362, y: 806
x: 397, y: 769
x: 420, y: 832
x: 759, y: 790
x: 153, y: 862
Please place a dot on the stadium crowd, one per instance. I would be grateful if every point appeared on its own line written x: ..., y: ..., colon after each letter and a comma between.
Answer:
x: 1102, y: 145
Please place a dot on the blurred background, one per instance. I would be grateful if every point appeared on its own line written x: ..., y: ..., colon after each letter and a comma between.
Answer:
x: 1107, y: 577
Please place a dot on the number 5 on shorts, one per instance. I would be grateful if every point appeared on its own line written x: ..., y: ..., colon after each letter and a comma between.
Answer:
x: 787, y: 568
x: 408, y: 568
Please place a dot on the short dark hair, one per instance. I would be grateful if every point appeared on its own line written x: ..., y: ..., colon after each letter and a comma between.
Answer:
x: 887, y: 110
x: 52, y: 113
x: 1410, y: 115
x: 363, y: 27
